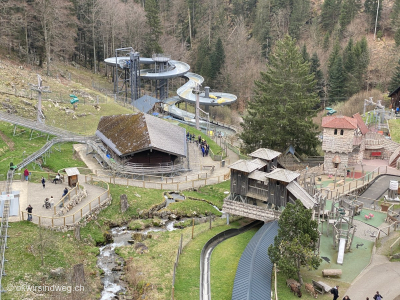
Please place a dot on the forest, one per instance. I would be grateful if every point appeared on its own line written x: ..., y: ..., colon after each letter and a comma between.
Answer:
x: 351, y: 45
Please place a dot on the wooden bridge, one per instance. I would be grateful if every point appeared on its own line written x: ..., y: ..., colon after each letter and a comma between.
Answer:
x: 250, y: 211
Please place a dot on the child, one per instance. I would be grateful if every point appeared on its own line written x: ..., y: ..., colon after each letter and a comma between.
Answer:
x: 43, y: 182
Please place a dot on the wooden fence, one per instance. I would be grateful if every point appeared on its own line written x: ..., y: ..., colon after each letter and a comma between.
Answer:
x: 73, y: 218
x: 176, y: 266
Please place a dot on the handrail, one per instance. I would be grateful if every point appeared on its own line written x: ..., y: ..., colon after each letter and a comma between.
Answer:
x: 75, y: 188
x: 394, y: 155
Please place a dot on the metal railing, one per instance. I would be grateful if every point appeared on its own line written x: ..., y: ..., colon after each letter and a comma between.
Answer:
x: 4, y: 227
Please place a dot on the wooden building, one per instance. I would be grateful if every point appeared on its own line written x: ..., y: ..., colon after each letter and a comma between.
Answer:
x: 142, y: 139
x: 72, y: 174
x: 395, y: 98
x: 260, y: 182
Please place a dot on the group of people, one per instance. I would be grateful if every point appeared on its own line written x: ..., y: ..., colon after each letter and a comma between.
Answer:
x: 205, y: 148
x: 335, y: 292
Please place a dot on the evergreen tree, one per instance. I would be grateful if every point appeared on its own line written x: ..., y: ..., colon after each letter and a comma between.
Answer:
x: 319, y: 76
x: 395, y: 18
x: 203, y: 52
x: 217, y: 59
x: 349, y: 10
x: 281, y: 112
x: 305, y: 54
x: 349, y: 65
x: 325, y: 44
x: 153, y: 21
x: 370, y: 8
x: 299, y: 11
x: 329, y: 14
x: 294, y: 246
x: 336, y: 76
x: 395, y: 81
x: 206, y: 69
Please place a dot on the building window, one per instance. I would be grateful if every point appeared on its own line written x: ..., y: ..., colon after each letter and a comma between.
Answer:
x: 336, y: 165
x: 335, y: 132
x: 341, y: 131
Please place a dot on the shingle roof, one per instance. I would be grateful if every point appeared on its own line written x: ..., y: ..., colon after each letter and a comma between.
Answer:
x: 245, y: 166
x: 282, y: 175
x: 145, y: 103
x: 258, y: 175
x: 260, y: 162
x: 340, y: 122
x: 72, y: 171
x: 297, y: 191
x: 129, y: 134
x: 360, y: 123
x: 264, y: 153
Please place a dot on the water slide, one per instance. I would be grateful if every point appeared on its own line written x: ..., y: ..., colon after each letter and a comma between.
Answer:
x: 342, y: 244
x: 178, y: 69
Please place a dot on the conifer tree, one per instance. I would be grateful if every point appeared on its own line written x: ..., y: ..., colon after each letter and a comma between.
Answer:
x: 370, y: 8
x: 336, y: 76
x: 297, y: 239
x: 325, y: 44
x: 281, y: 112
x: 329, y: 14
x: 349, y: 10
x: 395, y: 18
x: 217, y: 59
x: 349, y: 65
x: 153, y: 21
x: 304, y: 53
x: 395, y: 81
x: 319, y: 76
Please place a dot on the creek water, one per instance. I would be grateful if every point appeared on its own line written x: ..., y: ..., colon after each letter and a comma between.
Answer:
x: 112, y: 264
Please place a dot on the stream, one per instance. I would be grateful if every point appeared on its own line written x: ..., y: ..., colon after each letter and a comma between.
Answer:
x: 112, y: 264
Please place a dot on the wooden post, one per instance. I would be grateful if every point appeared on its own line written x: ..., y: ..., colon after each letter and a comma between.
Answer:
x: 90, y: 206
x: 52, y: 222
x: 81, y: 213
x: 64, y: 221
x: 99, y: 200
x: 39, y: 220
x: 210, y: 222
x: 73, y: 219
x: 192, y: 227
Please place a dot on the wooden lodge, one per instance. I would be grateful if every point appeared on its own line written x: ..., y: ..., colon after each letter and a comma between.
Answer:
x: 260, y: 189
x: 141, y: 139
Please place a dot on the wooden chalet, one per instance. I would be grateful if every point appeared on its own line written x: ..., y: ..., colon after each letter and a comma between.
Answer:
x: 142, y: 139
x: 260, y: 189
x: 395, y: 98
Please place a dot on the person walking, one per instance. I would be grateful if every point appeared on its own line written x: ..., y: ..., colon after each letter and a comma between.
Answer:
x: 335, y: 292
x: 43, y: 182
x: 26, y: 174
x: 378, y: 296
x: 203, y: 150
x: 346, y: 298
x: 51, y: 201
x: 65, y: 192
x: 29, y: 210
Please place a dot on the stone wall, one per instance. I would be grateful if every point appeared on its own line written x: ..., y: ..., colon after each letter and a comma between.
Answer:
x: 329, y: 167
x: 337, y: 143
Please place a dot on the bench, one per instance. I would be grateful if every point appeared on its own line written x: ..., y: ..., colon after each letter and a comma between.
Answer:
x: 321, y: 287
x: 211, y: 167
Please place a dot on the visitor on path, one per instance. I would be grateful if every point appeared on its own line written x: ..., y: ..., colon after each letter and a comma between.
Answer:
x: 65, y: 192
x: 26, y: 174
x: 346, y: 298
x: 29, y: 210
x: 51, y: 201
x: 43, y: 182
x: 335, y: 292
x: 378, y: 296
x: 203, y: 150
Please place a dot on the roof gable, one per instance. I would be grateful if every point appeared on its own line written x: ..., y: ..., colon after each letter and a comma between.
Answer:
x: 282, y: 175
x: 264, y: 153
x: 339, y: 122
x: 360, y: 123
x: 246, y: 166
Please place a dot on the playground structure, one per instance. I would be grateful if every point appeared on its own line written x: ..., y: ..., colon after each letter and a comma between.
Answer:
x: 341, y: 219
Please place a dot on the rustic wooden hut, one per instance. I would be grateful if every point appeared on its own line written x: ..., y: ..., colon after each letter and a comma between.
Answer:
x: 395, y: 98
x: 72, y: 174
x: 142, y: 139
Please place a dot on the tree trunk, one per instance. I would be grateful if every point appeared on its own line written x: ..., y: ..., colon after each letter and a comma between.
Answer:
x: 77, y: 233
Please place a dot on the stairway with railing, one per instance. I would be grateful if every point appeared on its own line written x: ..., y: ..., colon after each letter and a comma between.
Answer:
x: 4, y: 227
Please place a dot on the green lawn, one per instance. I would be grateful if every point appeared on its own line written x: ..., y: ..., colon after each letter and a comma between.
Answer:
x: 59, y: 250
x: 394, y: 125
x: 224, y: 261
x: 216, y: 149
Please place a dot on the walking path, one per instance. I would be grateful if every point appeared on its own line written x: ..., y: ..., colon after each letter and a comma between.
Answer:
x: 34, y: 194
